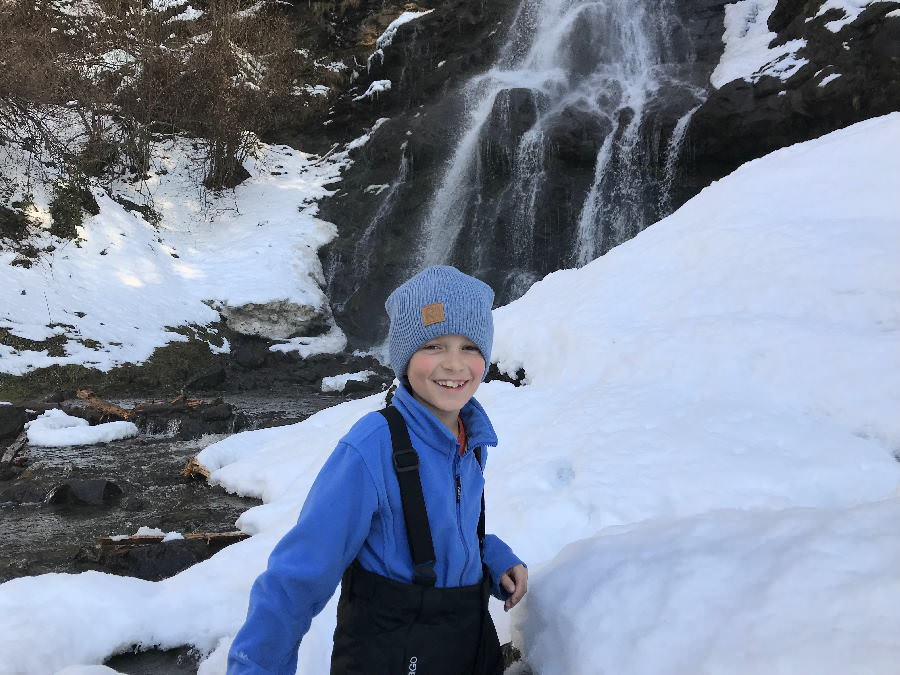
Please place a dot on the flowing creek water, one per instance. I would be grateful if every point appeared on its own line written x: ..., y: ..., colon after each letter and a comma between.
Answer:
x: 37, y: 538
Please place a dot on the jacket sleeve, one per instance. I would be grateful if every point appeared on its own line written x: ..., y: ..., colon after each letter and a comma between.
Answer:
x: 498, y: 557
x: 305, y: 566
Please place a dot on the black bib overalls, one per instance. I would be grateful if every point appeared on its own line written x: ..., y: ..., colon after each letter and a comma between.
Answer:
x: 387, y: 627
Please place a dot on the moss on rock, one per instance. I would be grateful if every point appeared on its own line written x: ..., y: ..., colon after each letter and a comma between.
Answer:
x: 164, y: 373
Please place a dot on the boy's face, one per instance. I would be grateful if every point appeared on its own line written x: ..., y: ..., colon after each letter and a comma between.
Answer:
x: 444, y: 374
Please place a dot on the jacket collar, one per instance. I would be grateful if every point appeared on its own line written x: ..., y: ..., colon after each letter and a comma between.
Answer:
x: 425, y: 424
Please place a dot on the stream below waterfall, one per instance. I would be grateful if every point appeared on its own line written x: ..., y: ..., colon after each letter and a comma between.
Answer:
x: 38, y: 538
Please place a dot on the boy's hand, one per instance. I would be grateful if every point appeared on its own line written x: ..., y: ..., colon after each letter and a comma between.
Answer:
x: 515, y: 581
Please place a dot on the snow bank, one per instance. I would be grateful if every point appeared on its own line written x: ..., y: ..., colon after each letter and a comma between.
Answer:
x: 711, y: 408
x: 56, y: 429
x: 790, y: 591
x: 249, y: 246
x: 338, y: 382
x: 331, y: 342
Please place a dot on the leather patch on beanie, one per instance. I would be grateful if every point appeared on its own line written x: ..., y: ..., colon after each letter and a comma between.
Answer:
x: 433, y: 313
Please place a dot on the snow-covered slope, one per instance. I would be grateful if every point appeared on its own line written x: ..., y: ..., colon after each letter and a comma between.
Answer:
x: 117, y: 291
x: 699, y: 471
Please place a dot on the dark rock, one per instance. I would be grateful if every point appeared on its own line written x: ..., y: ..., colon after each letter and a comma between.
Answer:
x: 514, y: 113
x: 511, y: 655
x: 785, y: 12
x: 88, y: 492
x: 185, y: 421
x: 494, y: 374
x: 13, y: 223
x: 215, y: 413
x: 742, y: 120
x: 12, y: 421
x: 134, y: 503
x: 211, y: 378
x: 154, y: 562
x: 251, y: 354
x: 368, y: 386
x: 23, y: 493
x: 576, y: 136
x: 141, y: 661
x: 188, y: 428
x: 57, y: 396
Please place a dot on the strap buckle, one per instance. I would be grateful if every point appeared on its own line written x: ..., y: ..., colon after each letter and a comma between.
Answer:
x: 424, y: 574
x: 404, y: 466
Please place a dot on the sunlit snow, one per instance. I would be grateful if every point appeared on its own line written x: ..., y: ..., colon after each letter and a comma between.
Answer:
x: 699, y: 471
x: 55, y: 429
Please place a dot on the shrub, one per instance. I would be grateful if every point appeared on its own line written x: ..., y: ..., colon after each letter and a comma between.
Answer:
x: 71, y: 198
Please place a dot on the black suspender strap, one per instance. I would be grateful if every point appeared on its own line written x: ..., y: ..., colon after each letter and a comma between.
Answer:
x: 481, y: 517
x: 418, y: 532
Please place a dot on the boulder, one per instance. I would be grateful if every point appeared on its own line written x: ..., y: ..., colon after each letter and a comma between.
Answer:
x: 23, y: 492
x: 86, y: 492
x: 157, y: 561
x: 276, y: 320
x: 12, y: 421
x: 212, y: 378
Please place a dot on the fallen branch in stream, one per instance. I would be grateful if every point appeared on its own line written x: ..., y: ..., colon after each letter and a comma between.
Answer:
x: 217, y: 540
x: 103, y: 406
x: 194, y: 469
x: 13, y: 453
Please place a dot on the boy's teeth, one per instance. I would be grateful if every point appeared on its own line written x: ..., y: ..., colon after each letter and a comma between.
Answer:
x: 445, y: 383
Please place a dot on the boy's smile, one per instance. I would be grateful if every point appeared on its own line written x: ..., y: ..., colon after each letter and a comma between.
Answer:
x: 444, y: 374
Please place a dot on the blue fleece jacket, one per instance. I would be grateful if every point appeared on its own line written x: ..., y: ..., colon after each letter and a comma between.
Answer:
x: 353, y: 510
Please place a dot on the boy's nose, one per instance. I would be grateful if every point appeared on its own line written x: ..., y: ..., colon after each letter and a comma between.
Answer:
x: 453, y: 361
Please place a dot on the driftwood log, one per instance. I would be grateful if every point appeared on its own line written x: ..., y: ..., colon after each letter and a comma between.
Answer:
x: 103, y: 406
x: 194, y: 469
x: 14, y: 455
x: 14, y: 450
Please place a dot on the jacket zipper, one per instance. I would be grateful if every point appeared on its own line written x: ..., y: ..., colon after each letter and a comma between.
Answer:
x: 459, y: 528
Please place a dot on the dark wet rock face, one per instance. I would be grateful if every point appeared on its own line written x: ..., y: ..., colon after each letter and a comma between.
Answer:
x: 386, y: 195
x: 428, y: 62
x: 22, y: 492
x: 744, y: 120
x: 185, y: 420
x: 88, y: 492
x: 12, y: 421
x: 152, y: 562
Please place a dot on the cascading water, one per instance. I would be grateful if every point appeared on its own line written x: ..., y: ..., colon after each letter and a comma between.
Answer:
x: 575, y: 133
x: 364, y: 248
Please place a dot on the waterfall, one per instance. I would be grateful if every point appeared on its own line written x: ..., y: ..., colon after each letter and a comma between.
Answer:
x: 365, y: 247
x: 574, y: 133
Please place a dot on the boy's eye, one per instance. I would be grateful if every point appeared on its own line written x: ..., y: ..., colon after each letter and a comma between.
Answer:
x: 471, y: 348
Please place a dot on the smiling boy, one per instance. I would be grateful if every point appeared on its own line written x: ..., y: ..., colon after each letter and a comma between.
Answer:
x: 397, y: 513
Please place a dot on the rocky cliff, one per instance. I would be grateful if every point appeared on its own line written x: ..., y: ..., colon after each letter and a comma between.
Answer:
x: 844, y: 69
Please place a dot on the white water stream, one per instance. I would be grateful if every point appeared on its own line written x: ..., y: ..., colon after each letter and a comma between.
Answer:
x: 606, y: 61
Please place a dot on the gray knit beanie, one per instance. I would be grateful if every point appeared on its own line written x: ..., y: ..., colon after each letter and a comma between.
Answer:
x: 439, y: 300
